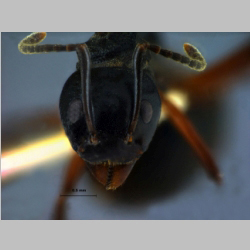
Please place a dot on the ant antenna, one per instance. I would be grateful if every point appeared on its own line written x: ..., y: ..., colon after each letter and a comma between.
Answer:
x: 85, y: 65
x: 137, y: 62
x: 30, y: 45
x: 194, y: 59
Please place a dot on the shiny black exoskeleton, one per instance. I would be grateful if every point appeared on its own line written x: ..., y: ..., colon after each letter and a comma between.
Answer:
x: 112, y: 94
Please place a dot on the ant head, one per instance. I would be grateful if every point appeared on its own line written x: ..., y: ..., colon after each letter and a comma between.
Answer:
x: 109, y: 115
x: 111, y: 155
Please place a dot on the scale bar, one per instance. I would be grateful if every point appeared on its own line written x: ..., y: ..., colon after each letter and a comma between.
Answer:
x: 79, y: 195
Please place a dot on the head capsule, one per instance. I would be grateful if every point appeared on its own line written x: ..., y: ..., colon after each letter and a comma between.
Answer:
x: 112, y: 107
x: 111, y: 159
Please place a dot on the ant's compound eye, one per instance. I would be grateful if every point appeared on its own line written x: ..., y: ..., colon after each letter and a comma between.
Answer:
x: 146, y: 111
x: 75, y: 111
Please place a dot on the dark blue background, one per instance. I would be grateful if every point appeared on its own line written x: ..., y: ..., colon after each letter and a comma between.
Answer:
x: 32, y: 85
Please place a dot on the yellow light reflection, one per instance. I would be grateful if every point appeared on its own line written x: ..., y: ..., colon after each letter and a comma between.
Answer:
x: 57, y: 145
x: 36, y: 152
x: 178, y: 98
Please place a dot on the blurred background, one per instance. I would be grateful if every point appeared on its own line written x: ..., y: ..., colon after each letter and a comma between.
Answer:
x: 168, y: 182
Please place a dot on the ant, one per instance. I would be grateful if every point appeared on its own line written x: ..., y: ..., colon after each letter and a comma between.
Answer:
x: 110, y: 106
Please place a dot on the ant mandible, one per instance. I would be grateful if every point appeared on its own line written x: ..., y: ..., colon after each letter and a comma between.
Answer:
x: 110, y: 106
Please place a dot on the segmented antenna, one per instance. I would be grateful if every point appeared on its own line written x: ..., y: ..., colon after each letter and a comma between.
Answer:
x: 194, y: 59
x: 30, y: 45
